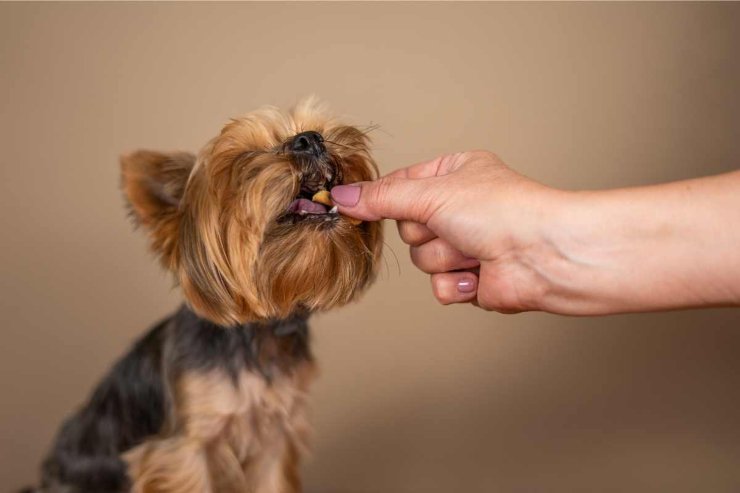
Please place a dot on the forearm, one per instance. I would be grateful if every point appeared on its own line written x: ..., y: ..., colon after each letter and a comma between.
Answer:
x: 649, y: 248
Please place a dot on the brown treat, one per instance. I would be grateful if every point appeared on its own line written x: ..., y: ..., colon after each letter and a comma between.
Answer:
x: 322, y: 197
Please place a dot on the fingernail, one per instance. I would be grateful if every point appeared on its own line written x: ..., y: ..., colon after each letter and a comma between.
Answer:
x: 466, y: 285
x: 346, y: 195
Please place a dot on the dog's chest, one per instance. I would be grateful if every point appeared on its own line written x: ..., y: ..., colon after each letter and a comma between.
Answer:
x: 248, y: 413
x: 236, y: 418
x: 248, y: 387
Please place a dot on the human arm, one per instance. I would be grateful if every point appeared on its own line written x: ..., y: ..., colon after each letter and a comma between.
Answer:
x: 490, y: 236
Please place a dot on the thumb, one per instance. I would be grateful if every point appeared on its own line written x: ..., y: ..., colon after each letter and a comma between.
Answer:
x: 389, y: 197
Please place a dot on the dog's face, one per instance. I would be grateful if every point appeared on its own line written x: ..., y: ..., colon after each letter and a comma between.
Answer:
x: 237, y: 225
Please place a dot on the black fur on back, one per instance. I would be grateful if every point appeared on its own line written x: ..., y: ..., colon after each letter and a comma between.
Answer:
x: 132, y: 401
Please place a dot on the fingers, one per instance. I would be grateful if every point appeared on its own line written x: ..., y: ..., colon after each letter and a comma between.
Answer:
x: 472, y: 287
x: 389, y: 197
x: 439, y: 256
x: 402, y: 195
x: 414, y: 234
x: 436, y: 167
x: 454, y: 287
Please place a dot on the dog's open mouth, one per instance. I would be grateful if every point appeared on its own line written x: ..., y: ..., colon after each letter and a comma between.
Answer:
x: 310, y: 205
x: 319, y: 172
x: 305, y: 207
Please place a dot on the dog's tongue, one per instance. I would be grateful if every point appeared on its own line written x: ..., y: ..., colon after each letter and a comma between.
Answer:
x: 306, y: 206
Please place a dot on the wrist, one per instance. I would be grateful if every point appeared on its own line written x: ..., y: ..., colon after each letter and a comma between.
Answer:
x: 588, y: 237
x: 641, y: 249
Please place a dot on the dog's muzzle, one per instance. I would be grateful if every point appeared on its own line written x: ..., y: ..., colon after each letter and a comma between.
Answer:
x: 318, y: 171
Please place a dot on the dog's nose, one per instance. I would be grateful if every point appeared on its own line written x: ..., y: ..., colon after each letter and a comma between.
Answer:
x: 308, y: 143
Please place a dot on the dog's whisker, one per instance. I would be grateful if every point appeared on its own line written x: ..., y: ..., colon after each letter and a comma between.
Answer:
x: 398, y: 264
x: 345, y: 146
x: 369, y: 128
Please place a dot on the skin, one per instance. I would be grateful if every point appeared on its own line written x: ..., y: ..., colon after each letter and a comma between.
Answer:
x: 492, y: 237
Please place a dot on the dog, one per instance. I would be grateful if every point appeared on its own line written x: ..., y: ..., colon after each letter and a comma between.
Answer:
x: 213, y: 398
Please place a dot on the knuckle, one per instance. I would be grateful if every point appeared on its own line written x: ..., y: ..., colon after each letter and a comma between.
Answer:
x: 428, y: 202
x: 485, y: 300
x: 413, y: 237
x: 431, y: 258
x: 441, y: 260
x: 440, y: 291
x: 503, y: 297
x: 404, y: 230
x: 482, y: 155
x: 412, y: 233
x: 383, y: 189
x: 415, y: 256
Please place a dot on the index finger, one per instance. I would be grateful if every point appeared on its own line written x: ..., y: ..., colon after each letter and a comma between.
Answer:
x: 436, y: 167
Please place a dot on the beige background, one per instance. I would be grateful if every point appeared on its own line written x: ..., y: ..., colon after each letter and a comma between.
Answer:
x: 414, y: 397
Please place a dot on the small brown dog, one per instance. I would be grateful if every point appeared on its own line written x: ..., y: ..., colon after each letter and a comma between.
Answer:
x: 212, y: 399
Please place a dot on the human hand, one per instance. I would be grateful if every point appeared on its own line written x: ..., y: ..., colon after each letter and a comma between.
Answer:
x: 504, y: 242
x: 471, y: 222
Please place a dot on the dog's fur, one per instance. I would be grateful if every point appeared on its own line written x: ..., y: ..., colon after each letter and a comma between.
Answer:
x: 212, y: 399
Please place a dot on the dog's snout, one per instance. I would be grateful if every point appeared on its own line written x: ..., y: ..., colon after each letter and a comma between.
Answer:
x: 308, y: 143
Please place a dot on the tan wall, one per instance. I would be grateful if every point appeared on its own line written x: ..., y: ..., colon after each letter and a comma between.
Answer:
x: 414, y: 397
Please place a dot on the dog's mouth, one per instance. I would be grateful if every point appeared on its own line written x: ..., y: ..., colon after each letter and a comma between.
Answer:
x: 319, y: 172
x: 311, y: 205
x: 304, y: 209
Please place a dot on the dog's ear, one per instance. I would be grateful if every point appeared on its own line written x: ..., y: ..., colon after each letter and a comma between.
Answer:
x: 153, y: 184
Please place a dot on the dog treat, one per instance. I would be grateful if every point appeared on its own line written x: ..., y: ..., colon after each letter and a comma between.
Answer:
x: 322, y: 197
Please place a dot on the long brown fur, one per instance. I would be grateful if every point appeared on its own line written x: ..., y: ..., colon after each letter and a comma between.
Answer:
x: 234, y: 263
x: 228, y: 436
x: 212, y: 221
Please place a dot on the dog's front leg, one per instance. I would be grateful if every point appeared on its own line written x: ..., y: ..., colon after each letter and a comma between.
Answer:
x: 226, y: 435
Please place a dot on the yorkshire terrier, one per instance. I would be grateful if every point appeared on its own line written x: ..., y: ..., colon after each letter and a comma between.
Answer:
x: 213, y: 398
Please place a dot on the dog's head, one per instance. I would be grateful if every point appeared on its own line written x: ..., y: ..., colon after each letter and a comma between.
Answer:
x: 237, y: 224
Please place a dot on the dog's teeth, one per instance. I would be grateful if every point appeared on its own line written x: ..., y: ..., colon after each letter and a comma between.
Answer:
x: 333, y: 210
